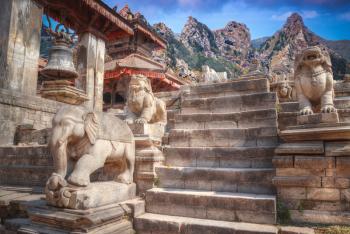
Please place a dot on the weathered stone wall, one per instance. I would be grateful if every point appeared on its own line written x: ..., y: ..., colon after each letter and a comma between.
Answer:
x: 17, y: 109
x: 313, y: 184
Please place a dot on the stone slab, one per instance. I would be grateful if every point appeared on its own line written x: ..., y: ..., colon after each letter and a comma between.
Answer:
x: 137, y: 206
x: 227, y: 88
x: 323, y: 194
x: 212, y: 205
x: 336, y: 149
x: 242, y: 180
x: 157, y: 224
x: 81, y: 221
x: 340, y: 131
x: 221, y: 157
x: 259, y: 118
x: 297, y: 181
x: 296, y: 230
x: 120, y: 227
x: 307, y: 147
x: 318, y: 118
x: 249, y: 137
x: 283, y: 161
x: 155, y: 130
x: 257, y: 101
x: 325, y: 217
x: 314, y: 162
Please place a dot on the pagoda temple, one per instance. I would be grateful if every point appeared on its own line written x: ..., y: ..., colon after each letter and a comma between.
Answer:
x: 132, y: 54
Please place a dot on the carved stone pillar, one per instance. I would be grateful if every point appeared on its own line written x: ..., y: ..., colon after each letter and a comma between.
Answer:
x: 20, y: 27
x: 148, y: 140
x: 91, y: 54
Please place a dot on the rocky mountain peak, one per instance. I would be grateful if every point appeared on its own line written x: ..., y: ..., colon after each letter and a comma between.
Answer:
x: 295, y: 19
x: 233, y: 41
x: 294, y: 25
x: 197, y: 37
x: 163, y: 30
x: 279, y: 50
x: 233, y: 25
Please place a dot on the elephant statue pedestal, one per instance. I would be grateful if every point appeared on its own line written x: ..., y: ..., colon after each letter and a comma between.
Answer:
x: 115, y: 218
x: 97, y: 194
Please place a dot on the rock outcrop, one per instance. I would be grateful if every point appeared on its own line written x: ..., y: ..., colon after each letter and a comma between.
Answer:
x: 233, y: 41
x: 197, y: 37
x: 230, y: 49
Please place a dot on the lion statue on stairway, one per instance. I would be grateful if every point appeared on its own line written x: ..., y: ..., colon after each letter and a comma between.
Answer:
x: 142, y: 106
x: 314, y: 81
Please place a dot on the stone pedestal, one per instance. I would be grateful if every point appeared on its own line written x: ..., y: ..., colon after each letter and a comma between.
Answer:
x: 97, y: 194
x: 63, y: 91
x: 113, y: 219
x: 313, y: 173
x: 20, y: 27
x: 318, y: 118
x: 148, y: 140
x: 91, y: 54
x: 101, y: 207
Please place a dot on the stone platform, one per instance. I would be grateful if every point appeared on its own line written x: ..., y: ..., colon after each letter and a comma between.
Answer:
x: 312, y: 172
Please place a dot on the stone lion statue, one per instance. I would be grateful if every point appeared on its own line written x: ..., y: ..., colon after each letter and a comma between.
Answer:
x: 285, y: 90
x: 314, y: 81
x: 142, y: 106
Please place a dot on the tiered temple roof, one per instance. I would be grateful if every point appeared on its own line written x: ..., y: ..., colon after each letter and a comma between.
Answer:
x: 132, y: 54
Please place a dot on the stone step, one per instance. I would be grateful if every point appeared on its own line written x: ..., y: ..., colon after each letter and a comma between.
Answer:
x: 227, y: 104
x: 222, y: 157
x: 234, y: 87
x: 212, y: 205
x: 240, y: 180
x: 158, y: 224
x: 255, y: 118
x: 25, y: 155
x: 340, y: 103
x: 25, y: 175
x: 230, y: 137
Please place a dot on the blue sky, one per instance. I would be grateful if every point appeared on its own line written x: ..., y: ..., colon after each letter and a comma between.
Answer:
x: 328, y: 18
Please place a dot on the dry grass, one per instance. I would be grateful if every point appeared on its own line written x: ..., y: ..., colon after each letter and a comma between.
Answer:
x: 333, y: 230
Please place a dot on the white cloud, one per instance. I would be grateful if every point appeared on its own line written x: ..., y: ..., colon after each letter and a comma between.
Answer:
x: 282, y: 17
x: 309, y: 14
x: 305, y: 14
x: 188, y: 2
x: 345, y: 16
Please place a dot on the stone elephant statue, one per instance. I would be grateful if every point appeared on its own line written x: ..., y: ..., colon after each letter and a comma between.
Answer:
x: 90, y: 139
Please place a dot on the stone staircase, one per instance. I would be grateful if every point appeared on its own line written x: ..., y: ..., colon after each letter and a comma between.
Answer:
x: 217, y: 176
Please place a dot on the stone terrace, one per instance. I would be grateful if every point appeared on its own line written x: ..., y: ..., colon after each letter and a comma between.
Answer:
x: 218, y: 169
